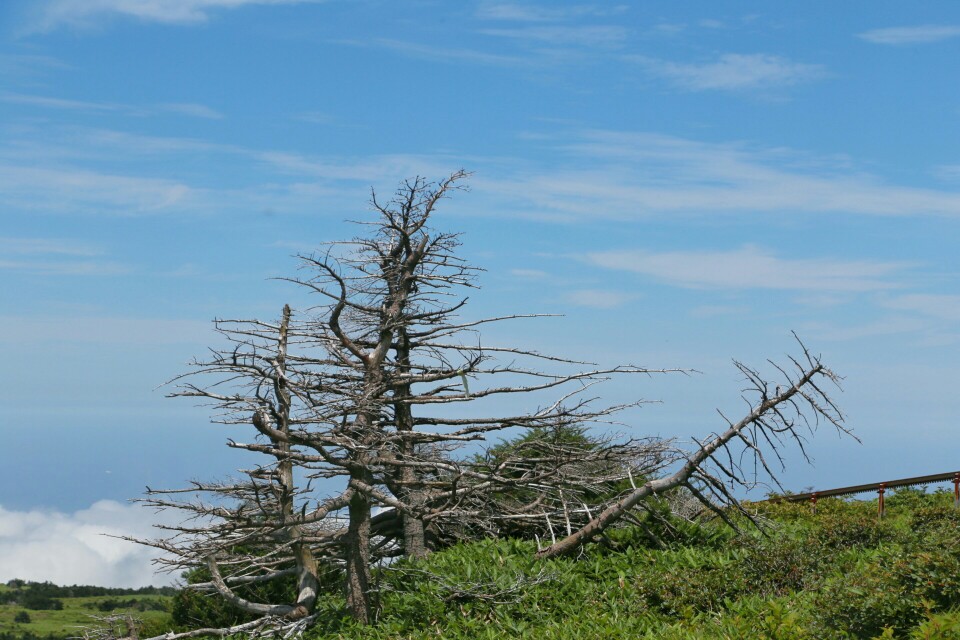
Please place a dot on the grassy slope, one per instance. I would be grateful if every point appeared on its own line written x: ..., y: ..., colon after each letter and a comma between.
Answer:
x: 73, y: 615
x: 839, y: 574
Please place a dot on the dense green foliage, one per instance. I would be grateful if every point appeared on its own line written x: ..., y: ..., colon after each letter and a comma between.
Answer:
x: 840, y: 573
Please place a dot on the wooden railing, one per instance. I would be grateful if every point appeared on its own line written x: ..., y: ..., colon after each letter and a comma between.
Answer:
x: 879, y: 487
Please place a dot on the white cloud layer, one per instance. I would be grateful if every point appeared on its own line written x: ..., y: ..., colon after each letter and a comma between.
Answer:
x: 922, y: 34
x: 733, y: 71
x: 749, y: 268
x: 71, y: 548
x: 624, y: 175
x: 593, y: 174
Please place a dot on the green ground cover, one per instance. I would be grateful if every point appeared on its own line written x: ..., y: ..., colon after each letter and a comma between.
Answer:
x: 841, y: 573
x: 78, y: 612
x: 838, y: 574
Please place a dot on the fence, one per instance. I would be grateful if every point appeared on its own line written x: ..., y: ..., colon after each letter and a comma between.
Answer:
x: 879, y: 487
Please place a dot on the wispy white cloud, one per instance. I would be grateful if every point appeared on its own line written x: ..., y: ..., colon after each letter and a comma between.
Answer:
x: 710, y: 23
x: 529, y: 274
x: 191, y: 109
x: 750, y: 268
x: 63, y: 268
x: 83, y: 13
x: 873, y: 329
x: 60, y: 103
x: 732, y: 72
x: 70, y: 170
x: 668, y: 29
x: 66, y: 190
x: 947, y: 172
x: 622, y: 174
x: 443, y: 54
x: 557, y: 35
x: 717, y: 310
x: 598, y: 298
x: 71, y: 548
x: 45, y: 246
x: 526, y: 12
x: 102, y: 329
x: 14, y: 64
x: 596, y: 174
x: 940, y: 306
x: 922, y: 34
x: 48, y: 102
x: 316, y: 117
x: 45, y: 256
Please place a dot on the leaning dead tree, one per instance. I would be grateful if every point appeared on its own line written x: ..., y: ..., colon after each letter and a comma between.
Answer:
x: 778, y: 414
x: 358, y: 406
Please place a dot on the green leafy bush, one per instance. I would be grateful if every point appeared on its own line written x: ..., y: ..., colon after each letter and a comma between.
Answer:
x: 894, y: 587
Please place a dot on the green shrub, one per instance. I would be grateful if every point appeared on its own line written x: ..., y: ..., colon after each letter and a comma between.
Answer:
x: 895, y: 587
x: 938, y: 626
x: 692, y: 580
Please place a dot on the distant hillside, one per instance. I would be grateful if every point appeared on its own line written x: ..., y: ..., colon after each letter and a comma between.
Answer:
x: 44, y: 610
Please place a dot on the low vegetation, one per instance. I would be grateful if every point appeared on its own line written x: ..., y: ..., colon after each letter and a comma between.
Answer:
x: 35, y: 610
x: 841, y: 573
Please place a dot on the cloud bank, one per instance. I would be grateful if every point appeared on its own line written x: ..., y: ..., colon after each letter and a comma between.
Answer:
x: 72, y: 548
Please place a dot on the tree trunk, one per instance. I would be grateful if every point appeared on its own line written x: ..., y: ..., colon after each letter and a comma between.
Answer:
x: 414, y: 531
x: 307, y: 582
x: 358, y: 558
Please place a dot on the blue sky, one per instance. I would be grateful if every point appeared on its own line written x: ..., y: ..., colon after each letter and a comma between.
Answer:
x: 686, y: 182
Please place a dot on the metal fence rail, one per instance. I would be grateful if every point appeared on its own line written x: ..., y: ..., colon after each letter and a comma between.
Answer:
x: 879, y: 487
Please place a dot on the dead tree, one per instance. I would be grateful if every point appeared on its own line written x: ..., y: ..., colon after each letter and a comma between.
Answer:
x: 778, y: 414
x: 359, y: 403
x: 392, y: 367
x: 355, y: 405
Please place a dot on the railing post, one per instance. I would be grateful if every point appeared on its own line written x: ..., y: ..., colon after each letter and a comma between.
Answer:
x: 880, y: 491
x: 956, y: 490
x: 813, y: 503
